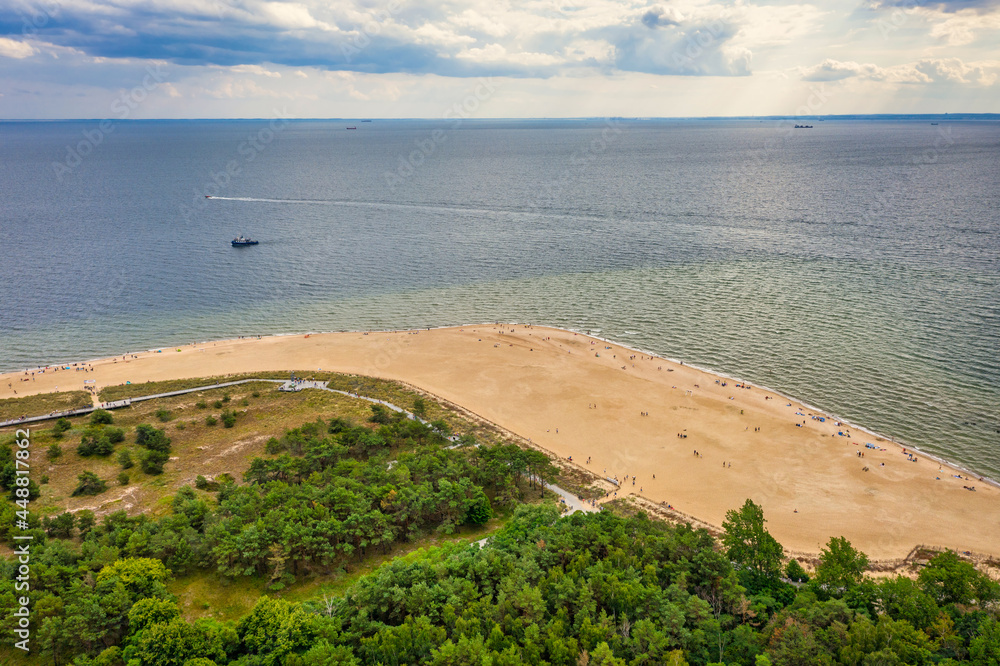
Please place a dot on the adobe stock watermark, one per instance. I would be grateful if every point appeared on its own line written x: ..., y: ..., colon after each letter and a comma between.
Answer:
x: 696, y: 45
x: 22, y: 549
x: 580, y: 159
x: 248, y: 150
x: 944, y: 140
x: 38, y: 18
x: 122, y: 107
x: 897, y: 18
x: 457, y: 113
x: 368, y: 30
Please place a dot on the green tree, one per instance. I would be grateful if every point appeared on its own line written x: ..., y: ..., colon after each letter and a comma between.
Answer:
x: 951, y: 580
x: 60, y: 427
x: 60, y: 527
x: 141, y: 576
x: 54, y: 451
x: 840, y: 567
x: 903, y: 599
x: 794, y: 572
x: 84, y: 521
x: 101, y: 417
x: 152, y: 462
x: 479, y: 511
x: 274, y: 629
x: 147, y: 612
x: 886, y: 642
x: 125, y: 459
x: 89, y: 484
x: 419, y: 407
x: 152, y: 438
x: 749, y: 544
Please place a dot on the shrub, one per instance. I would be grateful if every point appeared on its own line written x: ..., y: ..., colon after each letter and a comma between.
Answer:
x: 256, y: 394
x: 201, y: 404
x: 45, y: 479
x: 60, y: 427
x: 54, y: 451
x: 125, y: 459
x: 217, y: 404
x: 152, y: 438
x: 115, y: 435
x: 380, y: 415
x: 200, y: 482
x: 211, y: 420
x: 60, y: 527
x: 94, y: 444
x: 122, y: 479
x: 419, y: 407
x: 101, y: 417
x: 89, y: 484
x: 245, y: 402
x: 228, y: 419
x: 226, y: 398
x: 441, y: 427
x: 152, y: 462
x: 163, y: 414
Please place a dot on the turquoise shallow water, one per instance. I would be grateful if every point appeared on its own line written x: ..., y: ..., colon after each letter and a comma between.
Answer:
x: 843, y: 266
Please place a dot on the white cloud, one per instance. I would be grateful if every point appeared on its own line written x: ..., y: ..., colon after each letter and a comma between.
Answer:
x: 928, y: 70
x: 12, y: 48
x: 255, y: 69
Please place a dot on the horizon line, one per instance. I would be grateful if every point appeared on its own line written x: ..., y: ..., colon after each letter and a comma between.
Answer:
x: 842, y: 116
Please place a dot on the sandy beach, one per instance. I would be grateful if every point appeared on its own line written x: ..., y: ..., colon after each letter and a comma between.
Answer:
x: 630, y: 414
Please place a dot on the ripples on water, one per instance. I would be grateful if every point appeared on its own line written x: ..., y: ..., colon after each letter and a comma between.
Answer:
x: 825, y: 263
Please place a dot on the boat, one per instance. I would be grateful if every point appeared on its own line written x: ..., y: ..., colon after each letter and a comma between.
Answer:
x: 208, y: 196
x: 933, y: 123
x: 352, y: 128
x: 803, y: 127
x: 240, y: 241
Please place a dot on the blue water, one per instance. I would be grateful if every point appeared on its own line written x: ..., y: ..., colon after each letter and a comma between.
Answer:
x: 855, y: 265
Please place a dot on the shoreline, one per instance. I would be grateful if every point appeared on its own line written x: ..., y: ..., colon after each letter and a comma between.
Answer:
x: 532, y: 389
x: 710, y: 371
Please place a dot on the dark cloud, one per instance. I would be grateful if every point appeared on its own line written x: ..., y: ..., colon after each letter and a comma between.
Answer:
x: 249, y: 32
x: 941, y: 5
x: 685, y: 48
x: 657, y: 17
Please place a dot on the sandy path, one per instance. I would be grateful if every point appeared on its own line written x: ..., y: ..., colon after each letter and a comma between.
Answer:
x: 541, y: 383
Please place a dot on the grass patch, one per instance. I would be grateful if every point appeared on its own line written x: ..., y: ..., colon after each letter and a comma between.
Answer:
x: 206, y: 594
x: 44, y: 403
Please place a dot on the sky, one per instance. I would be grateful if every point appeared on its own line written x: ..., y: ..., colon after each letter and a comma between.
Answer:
x: 136, y: 59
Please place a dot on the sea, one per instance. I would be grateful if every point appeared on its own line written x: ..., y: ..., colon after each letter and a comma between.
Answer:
x: 853, y: 265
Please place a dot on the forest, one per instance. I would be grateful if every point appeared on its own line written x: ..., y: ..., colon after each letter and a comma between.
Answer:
x: 586, y: 589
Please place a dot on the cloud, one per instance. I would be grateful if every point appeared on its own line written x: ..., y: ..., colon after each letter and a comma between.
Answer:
x: 13, y: 48
x: 940, y: 5
x: 658, y: 16
x: 662, y: 42
x: 941, y: 70
x: 474, y: 38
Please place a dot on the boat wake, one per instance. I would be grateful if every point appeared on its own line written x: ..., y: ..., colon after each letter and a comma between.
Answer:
x: 409, y: 206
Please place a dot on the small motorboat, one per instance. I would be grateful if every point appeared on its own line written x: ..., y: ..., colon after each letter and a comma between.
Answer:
x: 240, y: 241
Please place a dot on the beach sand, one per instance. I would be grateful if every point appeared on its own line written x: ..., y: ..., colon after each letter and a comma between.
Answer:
x: 540, y: 383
